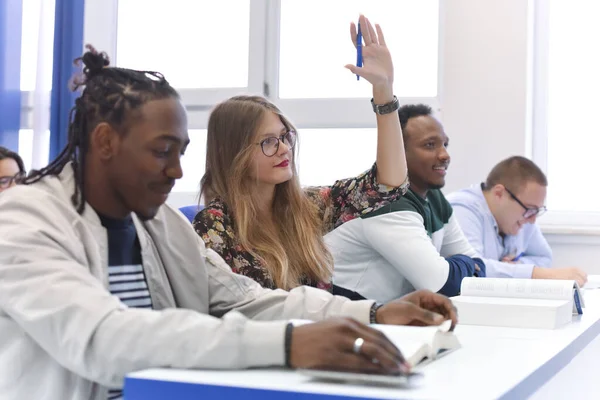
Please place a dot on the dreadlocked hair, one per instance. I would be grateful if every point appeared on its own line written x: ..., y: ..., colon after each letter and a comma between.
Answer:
x: 110, y: 95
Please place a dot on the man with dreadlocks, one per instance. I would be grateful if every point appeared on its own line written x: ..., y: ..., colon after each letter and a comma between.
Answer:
x: 99, y: 278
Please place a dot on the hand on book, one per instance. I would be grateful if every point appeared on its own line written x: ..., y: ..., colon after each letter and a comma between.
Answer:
x: 333, y: 345
x: 419, y: 308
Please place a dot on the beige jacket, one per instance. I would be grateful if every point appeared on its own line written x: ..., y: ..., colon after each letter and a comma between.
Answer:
x: 64, y: 336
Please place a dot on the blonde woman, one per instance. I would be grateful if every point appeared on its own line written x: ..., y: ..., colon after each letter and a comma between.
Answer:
x: 257, y: 217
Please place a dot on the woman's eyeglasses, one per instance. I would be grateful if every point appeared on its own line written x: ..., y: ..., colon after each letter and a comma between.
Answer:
x: 270, y: 145
x: 6, y: 181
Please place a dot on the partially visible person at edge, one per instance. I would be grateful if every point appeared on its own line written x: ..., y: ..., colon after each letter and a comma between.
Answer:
x: 12, y: 169
x: 257, y: 216
x: 99, y: 278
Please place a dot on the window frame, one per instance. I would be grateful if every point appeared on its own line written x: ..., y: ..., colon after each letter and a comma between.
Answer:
x: 342, y: 112
x: 554, y: 222
x: 100, y: 29
x: 263, y: 71
x: 100, y: 14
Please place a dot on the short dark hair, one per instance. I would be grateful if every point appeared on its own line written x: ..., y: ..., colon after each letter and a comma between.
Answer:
x: 514, y: 172
x: 9, y: 154
x: 111, y: 95
x: 409, y: 111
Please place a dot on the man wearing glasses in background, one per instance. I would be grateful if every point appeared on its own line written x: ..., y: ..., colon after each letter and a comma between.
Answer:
x: 12, y: 169
x: 499, y: 216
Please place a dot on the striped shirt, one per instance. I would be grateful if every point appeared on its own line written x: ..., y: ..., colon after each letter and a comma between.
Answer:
x: 125, y: 271
x: 128, y: 283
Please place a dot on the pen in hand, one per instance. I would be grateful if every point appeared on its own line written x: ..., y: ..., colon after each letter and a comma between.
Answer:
x: 359, y: 60
x: 519, y: 256
x: 513, y: 260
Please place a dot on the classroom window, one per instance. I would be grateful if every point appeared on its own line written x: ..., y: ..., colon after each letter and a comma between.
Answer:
x: 36, y: 27
x: 315, y: 46
x: 28, y: 147
x: 283, y: 49
x: 193, y: 162
x: 305, y: 62
x: 292, y: 52
x: 572, y: 103
x: 195, y: 44
x: 326, y: 155
x: 37, y: 38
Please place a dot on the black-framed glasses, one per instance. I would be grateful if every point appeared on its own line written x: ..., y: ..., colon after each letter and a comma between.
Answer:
x: 6, y: 181
x: 270, y: 145
x: 529, y: 211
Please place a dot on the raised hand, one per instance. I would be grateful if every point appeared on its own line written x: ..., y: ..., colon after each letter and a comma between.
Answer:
x: 377, y: 67
x: 333, y: 345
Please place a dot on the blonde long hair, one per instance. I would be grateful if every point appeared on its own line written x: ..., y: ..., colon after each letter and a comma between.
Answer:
x: 291, y: 250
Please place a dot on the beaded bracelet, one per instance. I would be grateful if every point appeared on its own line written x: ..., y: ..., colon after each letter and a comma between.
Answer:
x: 373, y: 312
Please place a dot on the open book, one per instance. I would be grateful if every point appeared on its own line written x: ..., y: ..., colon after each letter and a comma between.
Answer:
x: 521, y: 303
x: 419, y: 345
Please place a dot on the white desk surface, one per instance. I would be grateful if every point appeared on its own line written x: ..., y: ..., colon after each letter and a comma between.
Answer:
x: 493, y: 363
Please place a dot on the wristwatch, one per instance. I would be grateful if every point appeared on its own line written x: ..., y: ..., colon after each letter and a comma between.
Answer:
x: 383, y: 109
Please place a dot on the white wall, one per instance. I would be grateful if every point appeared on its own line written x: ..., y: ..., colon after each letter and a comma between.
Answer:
x: 484, y: 84
x: 576, y: 250
x: 485, y: 102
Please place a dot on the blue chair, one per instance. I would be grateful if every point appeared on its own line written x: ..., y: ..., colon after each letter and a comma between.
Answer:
x: 191, y: 211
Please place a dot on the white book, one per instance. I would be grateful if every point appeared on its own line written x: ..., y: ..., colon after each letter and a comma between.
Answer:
x: 551, y: 289
x: 419, y: 346
x: 520, y: 303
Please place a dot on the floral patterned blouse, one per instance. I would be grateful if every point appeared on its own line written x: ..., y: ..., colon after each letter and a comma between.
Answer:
x: 345, y: 200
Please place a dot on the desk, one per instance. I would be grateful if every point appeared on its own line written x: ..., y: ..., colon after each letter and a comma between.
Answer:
x: 494, y: 363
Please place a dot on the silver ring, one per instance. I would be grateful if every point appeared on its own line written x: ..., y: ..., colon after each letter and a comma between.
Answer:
x: 358, y: 343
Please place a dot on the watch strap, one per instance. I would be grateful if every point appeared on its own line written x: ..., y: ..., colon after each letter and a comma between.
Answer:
x: 387, y: 108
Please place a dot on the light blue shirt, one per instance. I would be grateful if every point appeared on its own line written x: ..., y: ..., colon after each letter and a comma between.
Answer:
x: 481, y: 230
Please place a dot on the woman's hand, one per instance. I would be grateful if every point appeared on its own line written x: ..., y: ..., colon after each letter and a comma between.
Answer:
x: 377, y: 67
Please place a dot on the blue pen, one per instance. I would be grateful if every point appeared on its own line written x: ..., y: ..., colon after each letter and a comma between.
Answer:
x: 359, y: 60
x: 519, y: 256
